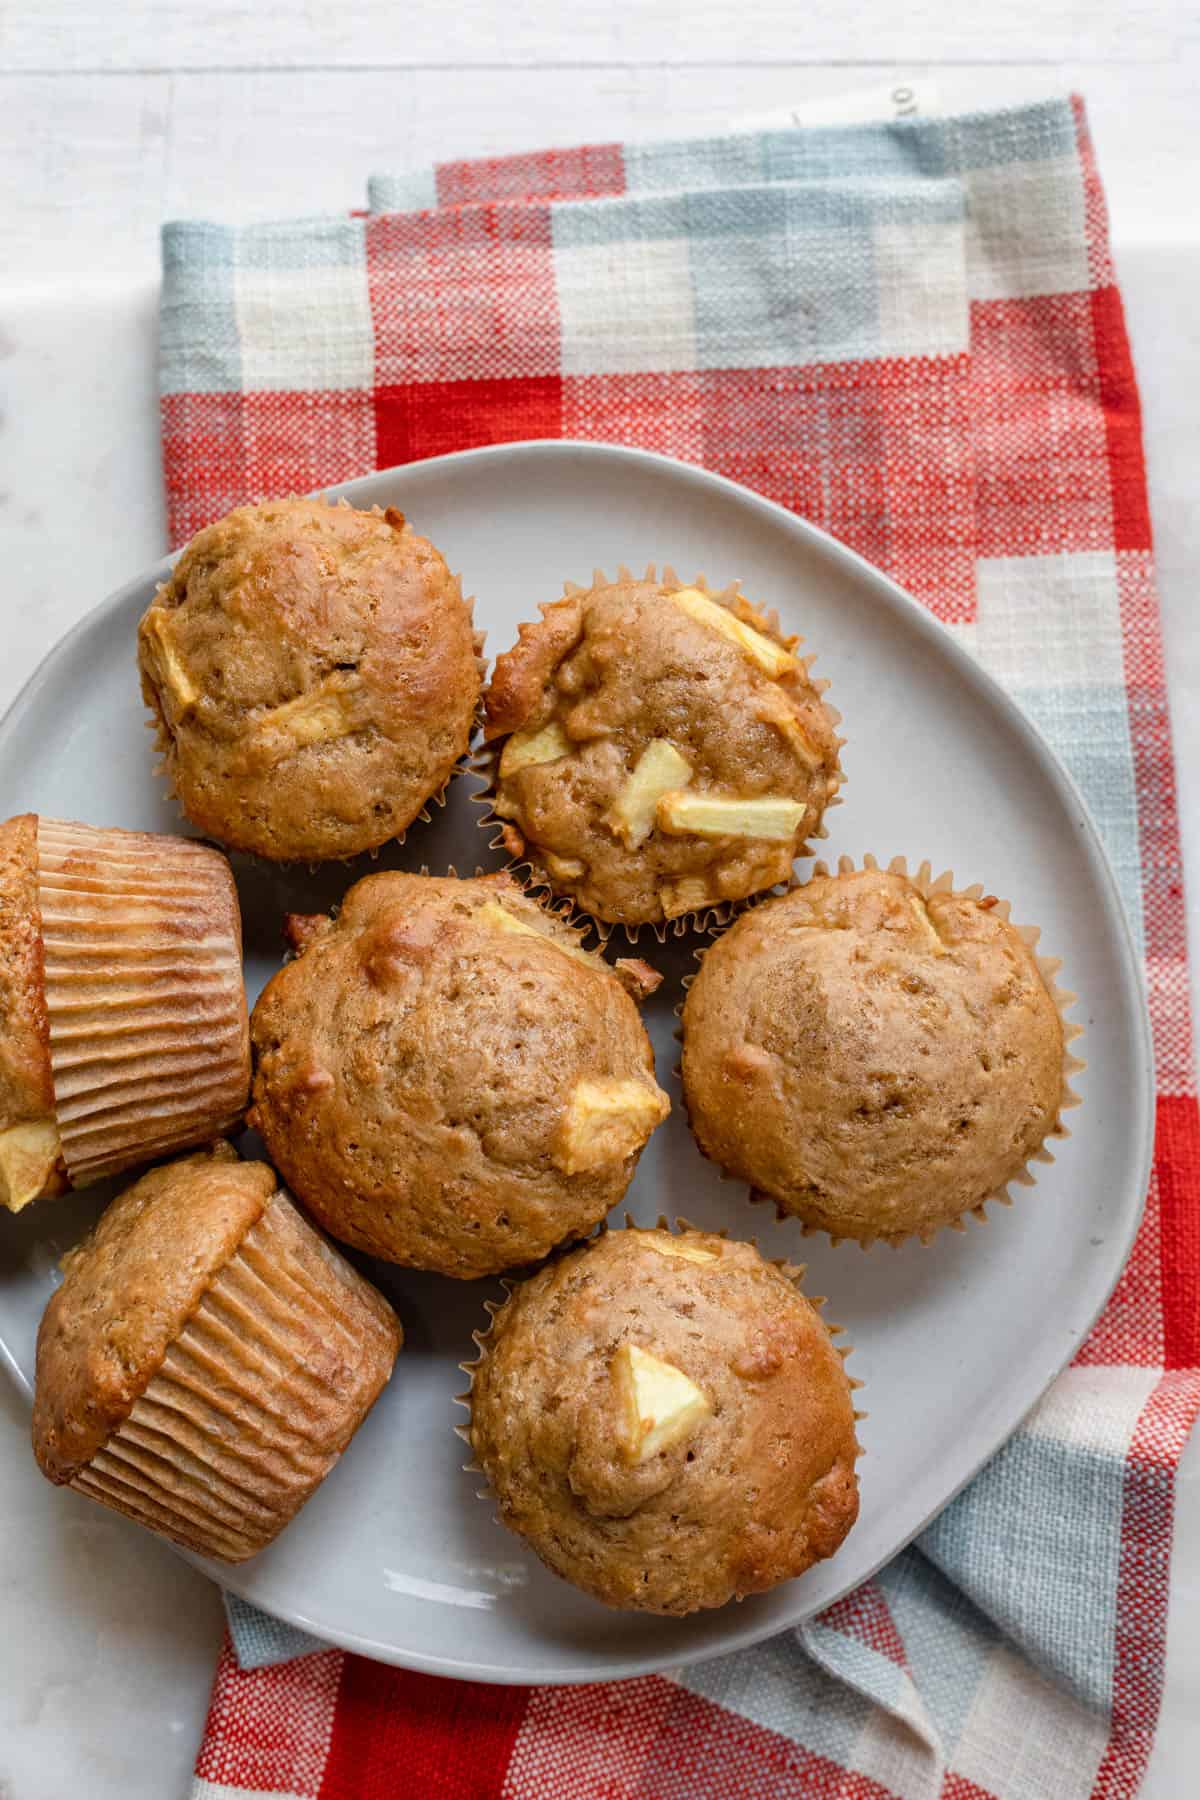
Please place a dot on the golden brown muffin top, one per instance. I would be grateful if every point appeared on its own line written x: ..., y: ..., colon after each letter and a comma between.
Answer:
x: 877, y: 1060
x: 446, y: 1079
x: 668, y: 750
x: 314, y: 676
x: 666, y: 1493
x: 30, y: 1152
x: 127, y: 1292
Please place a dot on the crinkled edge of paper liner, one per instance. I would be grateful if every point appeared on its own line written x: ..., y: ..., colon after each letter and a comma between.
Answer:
x: 794, y: 1272
x: 1047, y: 967
x: 463, y: 765
x: 529, y: 870
x: 130, y: 1089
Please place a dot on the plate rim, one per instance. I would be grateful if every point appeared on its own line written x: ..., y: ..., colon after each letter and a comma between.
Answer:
x: 890, y: 594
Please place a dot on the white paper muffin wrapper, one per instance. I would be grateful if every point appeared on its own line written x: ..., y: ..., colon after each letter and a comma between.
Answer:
x: 149, y: 1042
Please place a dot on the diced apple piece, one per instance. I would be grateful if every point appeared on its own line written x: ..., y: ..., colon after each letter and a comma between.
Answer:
x: 637, y: 977
x: 666, y: 1245
x: 689, y: 894
x: 708, y: 815
x: 168, y: 665
x: 928, y: 930
x: 606, y: 1121
x: 770, y: 657
x: 503, y: 920
x: 564, y: 868
x: 328, y: 712
x: 525, y: 747
x: 775, y: 709
x: 659, y: 1404
x: 658, y: 770
x: 29, y: 1155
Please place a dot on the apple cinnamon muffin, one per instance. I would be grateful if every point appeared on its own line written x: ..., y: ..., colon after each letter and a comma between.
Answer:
x: 876, y: 1055
x: 666, y: 1421
x: 31, y: 1160
x: 660, y: 749
x: 207, y: 1357
x: 123, y: 1028
x: 447, y: 1080
x: 313, y: 675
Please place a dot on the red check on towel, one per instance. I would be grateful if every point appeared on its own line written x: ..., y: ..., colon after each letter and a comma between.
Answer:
x: 911, y: 334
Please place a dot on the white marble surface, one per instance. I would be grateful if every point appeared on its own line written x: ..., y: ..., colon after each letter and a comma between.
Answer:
x: 115, y: 116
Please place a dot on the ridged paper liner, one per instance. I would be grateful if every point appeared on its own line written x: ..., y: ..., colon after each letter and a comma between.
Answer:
x: 149, y: 1039
x: 256, y: 1398
x: 462, y: 766
x: 795, y: 1273
x: 1047, y: 967
x: 527, y: 866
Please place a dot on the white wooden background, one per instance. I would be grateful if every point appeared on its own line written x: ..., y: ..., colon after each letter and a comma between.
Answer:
x: 116, y: 114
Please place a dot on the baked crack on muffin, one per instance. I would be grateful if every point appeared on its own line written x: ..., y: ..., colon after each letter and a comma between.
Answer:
x: 313, y: 675
x: 878, y: 1055
x: 665, y: 1420
x: 447, y: 1080
x: 665, y: 750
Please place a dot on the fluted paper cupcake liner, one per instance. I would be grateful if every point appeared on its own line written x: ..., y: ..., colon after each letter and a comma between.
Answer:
x: 1047, y: 966
x: 525, y: 861
x: 256, y: 1398
x: 149, y: 1038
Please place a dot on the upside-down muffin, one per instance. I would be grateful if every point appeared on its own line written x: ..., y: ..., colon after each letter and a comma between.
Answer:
x: 123, y: 1030
x: 666, y: 1421
x: 207, y: 1357
x: 877, y: 1056
x: 446, y: 1079
x: 660, y: 749
x: 313, y: 675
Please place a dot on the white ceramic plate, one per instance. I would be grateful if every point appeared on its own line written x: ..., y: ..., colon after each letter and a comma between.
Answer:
x: 396, y: 1556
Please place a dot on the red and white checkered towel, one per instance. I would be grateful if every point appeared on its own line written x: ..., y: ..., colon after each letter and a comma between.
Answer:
x: 911, y: 334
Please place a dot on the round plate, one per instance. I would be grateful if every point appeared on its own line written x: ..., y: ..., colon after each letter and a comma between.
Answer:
x: 396, y: 1556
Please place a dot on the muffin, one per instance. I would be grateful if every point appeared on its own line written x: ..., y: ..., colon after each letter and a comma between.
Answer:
x: 123, y: 1029
x: 876, y: 1055
x: 666, y: 1421
x: 313, y: 675
x: 31, y: 1161
x: 664, y: 749
x: 207, y: 1357
x: 446, y: 1079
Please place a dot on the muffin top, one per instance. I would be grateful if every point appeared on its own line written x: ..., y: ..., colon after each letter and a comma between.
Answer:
x: 127, y: 1292
x: 667, y: 1422
x: 30, y: 1151
x: 877, y: 1059
x: 666, y: 749
x: 446, y: 1079
x: 313, y: 674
